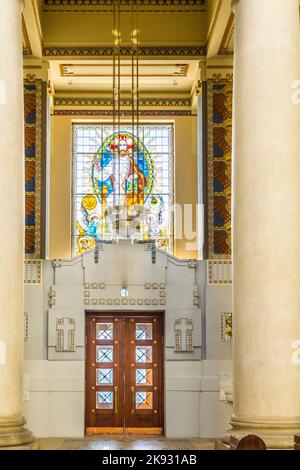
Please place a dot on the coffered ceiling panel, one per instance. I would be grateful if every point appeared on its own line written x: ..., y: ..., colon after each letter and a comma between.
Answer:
x: 94, y: 76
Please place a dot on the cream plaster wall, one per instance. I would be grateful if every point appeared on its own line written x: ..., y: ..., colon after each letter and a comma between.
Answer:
x: 66, y: 28
x: 54, y: 404
x: 185, y: 180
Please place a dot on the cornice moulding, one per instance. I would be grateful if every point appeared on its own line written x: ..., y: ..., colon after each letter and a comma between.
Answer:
x: 125, y: 5
x: 124, y: 113
x: 107, y: 101
x: 145, y: 51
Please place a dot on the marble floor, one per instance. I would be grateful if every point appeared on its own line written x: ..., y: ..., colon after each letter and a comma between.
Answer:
x: 125, y: 443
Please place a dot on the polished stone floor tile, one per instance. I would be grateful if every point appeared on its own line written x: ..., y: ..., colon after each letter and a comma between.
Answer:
x: 125, y: 443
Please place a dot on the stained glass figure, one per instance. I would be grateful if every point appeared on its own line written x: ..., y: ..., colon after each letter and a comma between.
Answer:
x: 123, y: 185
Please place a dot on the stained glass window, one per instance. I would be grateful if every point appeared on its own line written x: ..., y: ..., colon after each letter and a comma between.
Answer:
x: 143, y: 331
x: 104, y: 331
x: 143, y: 400
x: 123, y: 184
x: 143, y: 376
x: 104, y: 400
x: 104, y: 353
x: 143, y: 354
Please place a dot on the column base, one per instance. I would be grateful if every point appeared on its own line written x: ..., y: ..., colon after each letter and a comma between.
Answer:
x: 13, y: 433
x: 275, y: 434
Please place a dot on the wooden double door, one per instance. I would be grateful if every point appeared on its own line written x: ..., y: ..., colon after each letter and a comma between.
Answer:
x: 124, y: 373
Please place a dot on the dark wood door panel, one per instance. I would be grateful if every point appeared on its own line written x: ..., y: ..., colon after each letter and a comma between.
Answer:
x: 124, y: 373
x: 144, y: 372
x: 104, y: 372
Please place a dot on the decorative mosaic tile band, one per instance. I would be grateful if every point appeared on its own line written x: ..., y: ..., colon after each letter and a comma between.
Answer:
x: 226, y: 327
x: 33, y: 156
x: 219, y: 167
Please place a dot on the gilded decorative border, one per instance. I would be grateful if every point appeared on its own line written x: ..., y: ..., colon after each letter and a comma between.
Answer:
x: 81, y: 101
x: 106, y: 112
x: 38, y: 164
x: 226, y: 327
x: 101, y: 51
x: 210, y: 168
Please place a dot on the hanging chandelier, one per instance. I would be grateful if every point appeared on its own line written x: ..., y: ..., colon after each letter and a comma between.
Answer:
x: 118, y: 112
x: 134, y: 214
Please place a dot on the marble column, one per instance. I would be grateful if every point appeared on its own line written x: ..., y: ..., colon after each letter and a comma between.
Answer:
x: 266, y: 221
x: 12, y: 431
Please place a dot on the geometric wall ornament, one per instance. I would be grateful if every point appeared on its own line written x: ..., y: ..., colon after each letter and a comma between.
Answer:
x: 52, y: 297
x: 183, y: 335
x: 26, y: 326
x: 196, y: 298
x: 33, y: 271
x: 219, y: 272
x: 65, y: 334
x: 226, y: 327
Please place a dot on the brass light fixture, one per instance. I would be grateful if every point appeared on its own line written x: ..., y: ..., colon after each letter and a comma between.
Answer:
x: 118, y: 111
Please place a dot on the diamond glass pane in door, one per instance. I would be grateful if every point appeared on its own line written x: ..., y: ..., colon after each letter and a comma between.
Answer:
x: 143, y: 377
x: 104, y: 353
x: 104, y: 377
x: 143, y: 331
x: 143, y: 400
x: 104, y: 331
x: 104, y: 400
x: 143, y: 354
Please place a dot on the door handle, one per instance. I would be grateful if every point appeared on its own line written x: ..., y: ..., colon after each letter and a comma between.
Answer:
x: 132, y: 400
x: 116, y: 400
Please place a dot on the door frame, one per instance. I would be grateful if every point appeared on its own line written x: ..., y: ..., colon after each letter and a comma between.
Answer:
x: 129, y: 314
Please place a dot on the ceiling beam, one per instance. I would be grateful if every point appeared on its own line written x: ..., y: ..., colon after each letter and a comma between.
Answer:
x: 218, y: 27
x: 32, y: 25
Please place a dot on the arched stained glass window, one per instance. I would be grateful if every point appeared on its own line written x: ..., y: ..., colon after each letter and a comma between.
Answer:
x: 123, y: 184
